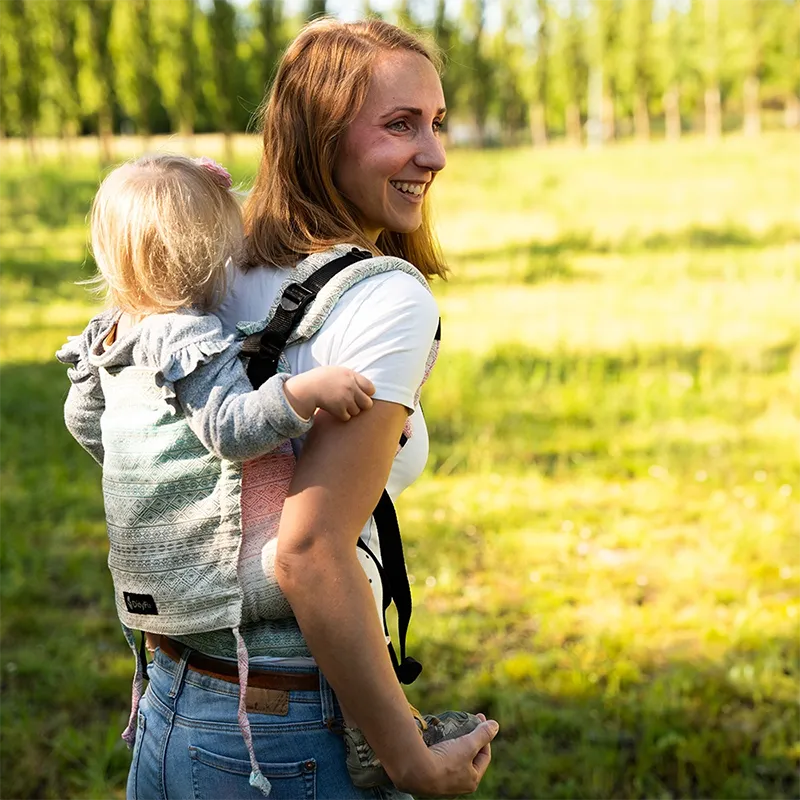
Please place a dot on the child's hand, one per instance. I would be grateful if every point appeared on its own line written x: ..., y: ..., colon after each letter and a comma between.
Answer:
x: 338, y: 390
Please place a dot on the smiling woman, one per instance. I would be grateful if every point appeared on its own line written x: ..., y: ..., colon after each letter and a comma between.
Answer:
x: 353, y: 108
x: 351, y: 148
x: 391, y: 152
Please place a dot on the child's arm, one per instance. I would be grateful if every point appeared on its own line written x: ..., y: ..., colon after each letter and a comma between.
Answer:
x: 236, y: 422
x: 82, y: 412
x: 85, y: 402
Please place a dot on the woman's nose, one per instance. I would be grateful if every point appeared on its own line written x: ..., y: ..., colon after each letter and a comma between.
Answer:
x: 431, y: 155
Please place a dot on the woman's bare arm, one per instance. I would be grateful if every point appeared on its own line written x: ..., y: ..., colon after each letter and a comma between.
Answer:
x: 338, y: 481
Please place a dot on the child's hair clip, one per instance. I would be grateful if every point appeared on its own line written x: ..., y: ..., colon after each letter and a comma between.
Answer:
x: 221, y: 176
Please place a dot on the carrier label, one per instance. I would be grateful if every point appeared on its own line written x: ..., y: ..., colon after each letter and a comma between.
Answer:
x: 140, y: 603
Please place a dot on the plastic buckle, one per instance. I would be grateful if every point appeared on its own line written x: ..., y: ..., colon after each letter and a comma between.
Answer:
x: 294, y: 296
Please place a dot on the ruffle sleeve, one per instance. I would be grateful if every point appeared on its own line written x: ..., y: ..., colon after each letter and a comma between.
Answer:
x: 182, y: 357
x: 76, y: 351
x: 173, y: 345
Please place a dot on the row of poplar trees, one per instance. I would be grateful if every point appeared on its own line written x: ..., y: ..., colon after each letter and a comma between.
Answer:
x: 516, y: 70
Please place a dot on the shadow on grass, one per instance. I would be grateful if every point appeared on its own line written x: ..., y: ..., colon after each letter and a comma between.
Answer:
x: 615, y: 414
x: 605, y: 726
x: 42, y: 272
x: 693, y: 237
x: 565, y: 367
x: 680, y: 729
x: 64, y: 675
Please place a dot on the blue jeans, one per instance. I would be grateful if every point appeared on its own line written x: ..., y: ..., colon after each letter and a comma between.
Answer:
x: 189, y: 744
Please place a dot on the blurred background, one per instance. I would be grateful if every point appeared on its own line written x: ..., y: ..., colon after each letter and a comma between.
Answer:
x: 605, y: 549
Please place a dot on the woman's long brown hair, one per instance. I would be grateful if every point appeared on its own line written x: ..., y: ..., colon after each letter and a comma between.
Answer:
x: 294, y: 207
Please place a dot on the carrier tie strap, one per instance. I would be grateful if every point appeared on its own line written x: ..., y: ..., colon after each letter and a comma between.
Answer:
x: 257, y: 777
x: 137, y: 689
x: 406, y: 668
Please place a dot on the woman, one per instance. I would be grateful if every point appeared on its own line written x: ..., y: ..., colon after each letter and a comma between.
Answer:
x: 351, y: 147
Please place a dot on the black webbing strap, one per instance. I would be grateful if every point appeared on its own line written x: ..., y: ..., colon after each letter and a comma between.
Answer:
x: 264, y: 347
x: 406, y: 668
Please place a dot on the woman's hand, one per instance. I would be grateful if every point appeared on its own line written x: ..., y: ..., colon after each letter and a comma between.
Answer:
x: 455, y: 766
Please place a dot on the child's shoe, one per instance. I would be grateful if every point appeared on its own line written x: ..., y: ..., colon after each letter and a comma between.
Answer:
x: 366, y: 771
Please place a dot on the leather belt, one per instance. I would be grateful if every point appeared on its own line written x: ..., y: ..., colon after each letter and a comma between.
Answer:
x: 228, y: 671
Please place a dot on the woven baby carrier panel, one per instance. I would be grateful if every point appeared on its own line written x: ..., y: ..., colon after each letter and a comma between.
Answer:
x: 173, y: 513
x: 193, y: 537
x: 265, y: 480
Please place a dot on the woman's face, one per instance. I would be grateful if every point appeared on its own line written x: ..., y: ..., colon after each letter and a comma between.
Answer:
x: 392, y: 152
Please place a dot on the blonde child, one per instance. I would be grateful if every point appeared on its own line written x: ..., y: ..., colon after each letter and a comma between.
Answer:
x: 164, y: 231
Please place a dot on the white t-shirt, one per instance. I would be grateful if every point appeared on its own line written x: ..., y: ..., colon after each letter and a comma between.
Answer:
x: 383, y: 327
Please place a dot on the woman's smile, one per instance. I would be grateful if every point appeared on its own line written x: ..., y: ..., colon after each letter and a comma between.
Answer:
x: 411, y: 190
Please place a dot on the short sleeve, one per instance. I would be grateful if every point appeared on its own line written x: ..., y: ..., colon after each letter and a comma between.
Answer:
x: 384, y: 329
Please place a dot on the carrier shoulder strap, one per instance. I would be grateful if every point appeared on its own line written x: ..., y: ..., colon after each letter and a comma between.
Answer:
x: 264, y: 349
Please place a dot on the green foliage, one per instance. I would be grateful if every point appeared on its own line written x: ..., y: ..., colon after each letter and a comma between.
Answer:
x: 177, y: 71
x: 223, y: 41
x: 208, y: 63
x: 604, y: 546
x: 271, y: 42
x: 99, y: 15
x: 315, y: 8
x: 64, y: 69
x: 26, y: 74
x: 134, y: 50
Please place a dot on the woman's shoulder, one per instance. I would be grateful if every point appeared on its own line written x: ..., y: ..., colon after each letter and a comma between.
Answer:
x: 393, y: 291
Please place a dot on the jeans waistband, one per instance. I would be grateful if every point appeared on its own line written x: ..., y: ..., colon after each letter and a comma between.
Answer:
x: 180, y: 670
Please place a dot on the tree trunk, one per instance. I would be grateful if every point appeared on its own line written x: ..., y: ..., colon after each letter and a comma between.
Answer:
x: 228, y: 147
x: 66, y: 146
x: 752, y: 106
x: 573, y: 123
x: 672, y: 113
x: 609, y: 118
x: 31, y: 152
x: 791, y: 111
x: 538, y: 126
x: 713, y: 113
x: 641, y: 117
x: 105, y: 136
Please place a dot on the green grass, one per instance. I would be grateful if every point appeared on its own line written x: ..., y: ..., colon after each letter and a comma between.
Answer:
x: 605, y: 548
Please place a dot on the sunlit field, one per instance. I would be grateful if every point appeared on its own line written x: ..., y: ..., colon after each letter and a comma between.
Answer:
x: 605, y: 549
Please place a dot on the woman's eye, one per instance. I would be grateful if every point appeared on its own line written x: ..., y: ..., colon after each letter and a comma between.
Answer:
x: 438, y: 124
x: 398, y: 125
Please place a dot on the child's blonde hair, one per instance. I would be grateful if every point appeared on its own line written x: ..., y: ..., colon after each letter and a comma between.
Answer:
x: 163, y: 229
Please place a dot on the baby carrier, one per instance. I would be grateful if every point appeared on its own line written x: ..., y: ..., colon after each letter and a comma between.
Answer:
x: 188, y: 580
